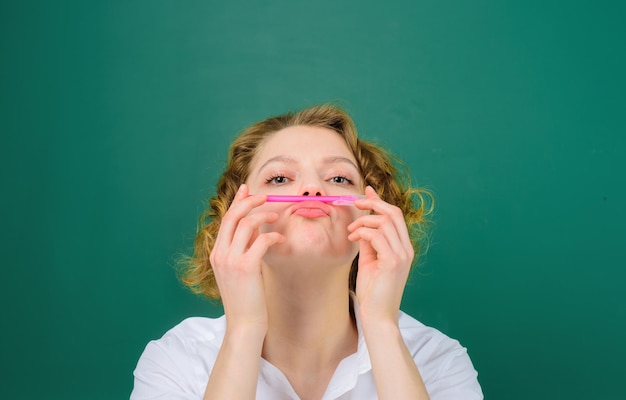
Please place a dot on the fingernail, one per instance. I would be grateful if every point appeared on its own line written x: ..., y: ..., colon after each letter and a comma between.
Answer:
x: 239, y: 191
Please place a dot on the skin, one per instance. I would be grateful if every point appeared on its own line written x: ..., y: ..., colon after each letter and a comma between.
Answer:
x: 282, y: 270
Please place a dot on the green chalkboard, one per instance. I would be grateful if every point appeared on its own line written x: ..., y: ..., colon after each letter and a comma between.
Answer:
x: 115, y: 119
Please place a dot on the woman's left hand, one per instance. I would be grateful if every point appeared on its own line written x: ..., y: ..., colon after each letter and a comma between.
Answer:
x: 385, y: 258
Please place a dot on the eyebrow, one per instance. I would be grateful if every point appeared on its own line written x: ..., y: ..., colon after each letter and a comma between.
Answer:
x: 291, y: 160
x: 337, y: 159
x: 282, y: 159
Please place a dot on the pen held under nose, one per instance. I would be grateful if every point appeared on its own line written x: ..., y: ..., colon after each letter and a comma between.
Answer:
x: 334, y: 200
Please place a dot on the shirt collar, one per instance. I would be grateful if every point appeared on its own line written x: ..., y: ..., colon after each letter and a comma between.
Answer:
x: 346, y: 375
x: 363, y: 357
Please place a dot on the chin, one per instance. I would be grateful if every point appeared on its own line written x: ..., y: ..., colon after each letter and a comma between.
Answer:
x: 310, y: 248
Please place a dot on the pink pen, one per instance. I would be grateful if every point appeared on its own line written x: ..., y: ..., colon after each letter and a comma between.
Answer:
x: 335, y: 200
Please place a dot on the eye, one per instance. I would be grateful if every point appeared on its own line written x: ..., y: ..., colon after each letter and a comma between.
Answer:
x: 277, y: 179
x: 342, y: 180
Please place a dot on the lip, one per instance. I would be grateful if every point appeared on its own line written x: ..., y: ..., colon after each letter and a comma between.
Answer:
x: 311, y: 208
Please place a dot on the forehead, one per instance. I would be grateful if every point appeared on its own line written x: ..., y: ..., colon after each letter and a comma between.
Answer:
x: 303, y: 141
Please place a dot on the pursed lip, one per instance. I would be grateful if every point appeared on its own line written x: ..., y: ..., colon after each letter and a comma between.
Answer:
x: 312, y: 204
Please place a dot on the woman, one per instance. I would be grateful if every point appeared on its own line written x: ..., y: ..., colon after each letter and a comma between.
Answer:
x: 311, y: 290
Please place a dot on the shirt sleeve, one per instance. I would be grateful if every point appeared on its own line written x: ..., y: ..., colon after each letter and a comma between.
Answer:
x: 158, y: 375
x: 456, y: 377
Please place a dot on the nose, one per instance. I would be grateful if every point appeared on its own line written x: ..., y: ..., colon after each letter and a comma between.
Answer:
x: 311, y: 184
x: 312, y: 188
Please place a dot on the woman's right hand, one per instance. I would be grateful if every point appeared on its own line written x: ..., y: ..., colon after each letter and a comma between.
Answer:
x: 236, y: 261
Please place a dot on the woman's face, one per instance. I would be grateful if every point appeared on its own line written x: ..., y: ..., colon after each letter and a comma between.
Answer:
x: 305, y: 160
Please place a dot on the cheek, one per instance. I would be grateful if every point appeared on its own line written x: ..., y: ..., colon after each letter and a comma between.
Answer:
x: 278, y: 208
x: 356, y: 213
x: 346, y: 217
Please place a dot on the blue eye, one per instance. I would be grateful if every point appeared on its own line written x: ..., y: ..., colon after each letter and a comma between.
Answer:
x: 277, y: 179
x: 341, y: 180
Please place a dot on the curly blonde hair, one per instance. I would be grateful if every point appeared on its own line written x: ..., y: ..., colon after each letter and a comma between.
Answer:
x: 385, y: 173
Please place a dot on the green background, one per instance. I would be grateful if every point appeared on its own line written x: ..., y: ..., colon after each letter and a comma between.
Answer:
x: 116, y: 117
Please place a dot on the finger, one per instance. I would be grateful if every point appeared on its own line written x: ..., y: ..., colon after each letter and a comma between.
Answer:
x: 373, y: 202
x: 386, y: 256
x: 378, y: 243
x: 242, y: 204
x: 262, y: 243
x: 384, y: 224
x: 380, y: 207
x: 247, y: 228
x: 226, y: 229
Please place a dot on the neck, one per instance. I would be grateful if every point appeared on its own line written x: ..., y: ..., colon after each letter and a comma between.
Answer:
x: 310, y: 326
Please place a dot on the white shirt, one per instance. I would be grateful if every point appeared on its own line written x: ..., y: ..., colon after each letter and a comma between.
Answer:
x: 178, y: 365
